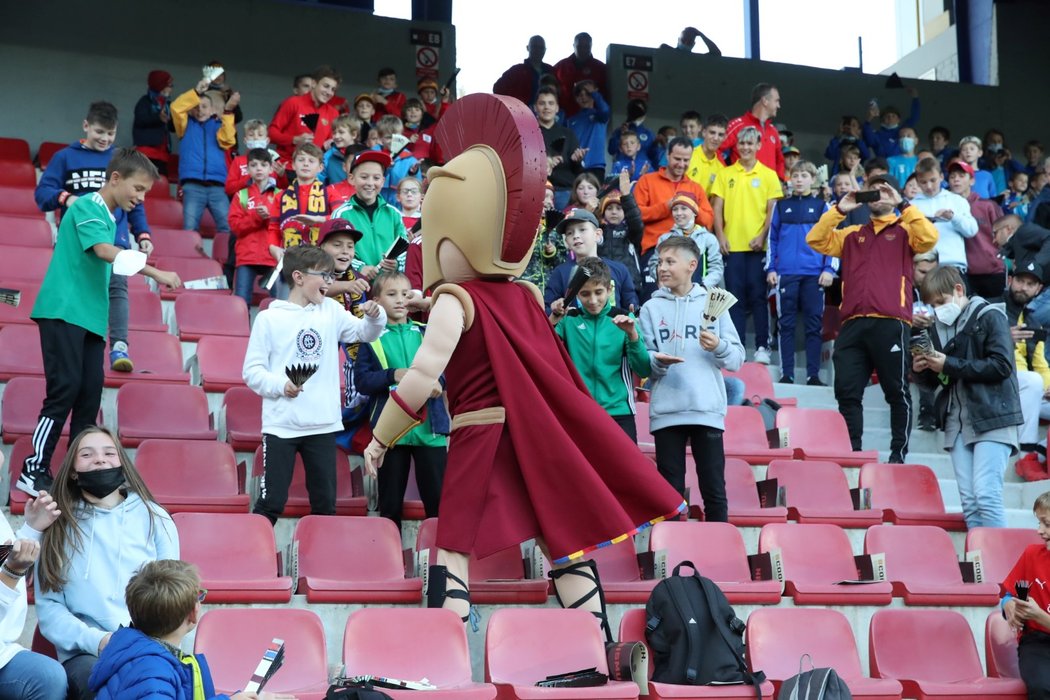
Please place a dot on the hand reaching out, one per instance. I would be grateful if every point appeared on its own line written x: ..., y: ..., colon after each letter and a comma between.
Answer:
x: 625, y: 183
x: 371, y: 309
x: 626, y: 324
x: 41, y: 512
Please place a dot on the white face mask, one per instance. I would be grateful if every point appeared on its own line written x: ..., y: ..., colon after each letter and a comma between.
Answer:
x: 261, y: 143
x: 948, y: 313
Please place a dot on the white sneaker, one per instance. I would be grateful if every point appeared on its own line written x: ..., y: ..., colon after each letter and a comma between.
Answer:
x: 762, y: 356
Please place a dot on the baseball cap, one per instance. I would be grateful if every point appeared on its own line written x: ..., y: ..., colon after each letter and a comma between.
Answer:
x: 427, y: 83
x: 577, y: 215
x: 961, y: 165
x: 792, y: 150
x: 1029, y: 267
x: 334, y: 226
x: 364, y: 96
x: 371, y: 157
x: 887, y: 178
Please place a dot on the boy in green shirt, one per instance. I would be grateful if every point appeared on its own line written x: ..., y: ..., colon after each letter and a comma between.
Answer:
x: 379, y: 367
x: 604, y: 343
x: 379, y: 222
x: 72, y: 308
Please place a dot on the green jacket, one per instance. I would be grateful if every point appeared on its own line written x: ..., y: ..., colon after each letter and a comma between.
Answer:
x: 605, y: 358
x: 380, y: 230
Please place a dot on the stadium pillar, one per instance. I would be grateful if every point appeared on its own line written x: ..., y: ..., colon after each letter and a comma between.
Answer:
x: 973, y: 28
x: 432, y: 11
x: 752, y: 43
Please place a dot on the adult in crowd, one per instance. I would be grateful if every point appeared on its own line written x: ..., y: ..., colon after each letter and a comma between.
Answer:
x: 1019, y: 241
x: 306, y: 118
x: 687, y: 42
x: 581, y: 65
x: 522, y: 80
x: 765, y: 103
x: 150, y: 132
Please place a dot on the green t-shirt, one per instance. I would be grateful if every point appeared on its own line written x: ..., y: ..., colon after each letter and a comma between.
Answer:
x: 76, y: 286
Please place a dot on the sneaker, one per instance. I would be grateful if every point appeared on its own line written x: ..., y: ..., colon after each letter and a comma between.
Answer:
x: 33, y: 484
x: 786, y: 380
x: 762, y: 356
x: 927, y: 423
x: 119, y: 361
x: 814, y: 381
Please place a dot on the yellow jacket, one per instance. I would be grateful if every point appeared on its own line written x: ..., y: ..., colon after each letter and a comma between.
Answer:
x: 1038, y: 364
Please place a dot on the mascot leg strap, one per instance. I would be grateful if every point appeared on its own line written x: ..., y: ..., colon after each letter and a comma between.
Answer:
x: 578, y: 582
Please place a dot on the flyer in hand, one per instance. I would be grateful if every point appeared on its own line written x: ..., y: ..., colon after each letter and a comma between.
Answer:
x: 271, y: 660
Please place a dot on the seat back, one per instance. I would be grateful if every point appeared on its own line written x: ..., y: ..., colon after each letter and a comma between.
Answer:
x: 201, y: 314
x: 19, y: 263
x: 741, y: 491
x: 505, y: 565
x: 156, y: 353
x: 190, y: 269
x: 756, y: 379
x: 32, y: 233
x: 1000, y: 647
x: 14, y: 149
x: 778, y: 637
x: 910, y: 488
x: 632, y: 629
x: 221, y: 358
x: 46, y: 151
x: 254, y: 557
x: 523, y: 646
x: 911, y: 645
x: 163, y: 405
x: 186, y: 468
x: 1000, y: 548
x: 20, y: 350
x: 717, y: 549
x: 234, y: 639
x: 810, y: 553
x: 815, y: 429
x: 243, y: 410
x: 413, y: 643
x: 618, y: 562
x: 176, y: 243
x: 745, y: 428
x: 17, y: 174
x: 916, y: 554
x: 811, y: 484
x: 145, y: 311
x: 164, y: 212
x: 349, y: 548
x: 19, y: 201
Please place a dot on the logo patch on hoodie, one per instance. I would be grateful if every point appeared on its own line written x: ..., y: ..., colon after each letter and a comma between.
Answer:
x: 308, y: 344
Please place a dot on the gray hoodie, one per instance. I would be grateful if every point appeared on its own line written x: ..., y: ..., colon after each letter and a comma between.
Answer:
x: 691, y: 392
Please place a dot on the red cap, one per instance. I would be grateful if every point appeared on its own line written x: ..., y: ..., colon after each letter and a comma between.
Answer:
x: 380, y: 157
x: 334, y: 226
x: 961, y: 165
x: 157, y: 80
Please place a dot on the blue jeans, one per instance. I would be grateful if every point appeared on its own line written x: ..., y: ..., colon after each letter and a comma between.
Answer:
x: 32, y: 676
x: 746, y: 280
x: 795, y: 294
x: 244, y: 280
x: 197, y: 197
x: 979, y: 472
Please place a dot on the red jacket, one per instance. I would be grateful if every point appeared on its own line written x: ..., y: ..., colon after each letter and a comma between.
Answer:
x: 521, y: 81
x: 394, y: 102
x: 436, y: 109
x: 288, y: 123
x: 569, y: 73
x: 339, y: 194
x: 252, y: 231
x: 982, y: 255
x: 237, y: 176
x: 770, y: 152
x: 1034, y: 567
x: 422, y: 140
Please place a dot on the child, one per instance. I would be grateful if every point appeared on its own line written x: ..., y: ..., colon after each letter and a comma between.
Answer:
x: 849, y: 162
x: 1016, y: 200
x: 418, y: 127
x: 78, y: 170
x: 149, y: 131
x: 798, y: 273
x: 304, y: 204
x: 250, y: 214
x: 410, y: 201
x: 949, y: 212
x: 589, y: 124
x: 630, y: 157
x: 622, y: 228
x: 970, y: 151
x: 306, y: 329
x: 345, y: 132
x: 606, y: 348
x: 791, y: 156
x: 903, y: 164
x: 386, y: 96
x: 688, y: 400
x: 684, y: 210
x: 584, y: 193
x: 402, y: 164
x: 979, y: 409
x: 582, y: 235
x: 849, y: 132
x: 841, y: 185
x: 1033, y: 155
x: 428, y: 95
x: 911, y: 188
x: 690, y: 122
x: 72, y: 308
x: 379, y: 222
x: 254, y: 137
x: 204, y: 124
x: 884, y: 140
x: 1031, y: 616
x: 379, y: 367
x: 164, y: 603
x: 341, y: 192
x: 365, y: 109
x: 548, y: 251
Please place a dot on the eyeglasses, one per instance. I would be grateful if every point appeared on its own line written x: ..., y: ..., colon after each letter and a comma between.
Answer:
x: 326, y: 276
x: 202, y: 594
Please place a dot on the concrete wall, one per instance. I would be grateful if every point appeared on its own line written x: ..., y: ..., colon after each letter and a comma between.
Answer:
x: 60, y: 55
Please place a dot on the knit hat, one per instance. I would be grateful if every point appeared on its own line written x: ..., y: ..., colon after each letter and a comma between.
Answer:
x: 426, y: 83
x: 157, y: 80
x: 686, y: 199
x: 611, y: 198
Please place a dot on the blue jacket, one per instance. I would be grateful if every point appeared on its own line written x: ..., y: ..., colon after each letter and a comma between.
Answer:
x: 334, y: 170
x: 589, y: 127
x: 634, y: 165
x: 833, y: 151
x: 134, y: 666
x: 884, y: 141
x: 398, y: 171
x: 79, y: 171
x: 624, y: 294
x: 789, y: 254
x: 200, y: 156
x: 646, y: 137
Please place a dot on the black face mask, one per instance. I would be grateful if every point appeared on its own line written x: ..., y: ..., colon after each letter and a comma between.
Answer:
x: 101, y: 482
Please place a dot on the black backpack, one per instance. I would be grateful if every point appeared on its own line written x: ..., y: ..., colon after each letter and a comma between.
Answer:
x: 695, y: 636
x: 814, y: 684
x: 363, y: 691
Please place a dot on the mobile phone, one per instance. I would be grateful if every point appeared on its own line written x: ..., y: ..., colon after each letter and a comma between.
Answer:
x: 867, y: 196
x: 5, y: 551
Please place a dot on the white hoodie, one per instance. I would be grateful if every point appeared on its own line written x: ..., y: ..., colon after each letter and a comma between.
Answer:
x: 286, y: 334
x: 13, y: 600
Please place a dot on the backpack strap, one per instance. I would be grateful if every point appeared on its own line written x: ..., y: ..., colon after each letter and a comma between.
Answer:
x: 754, y: 679
x: 692, y: 629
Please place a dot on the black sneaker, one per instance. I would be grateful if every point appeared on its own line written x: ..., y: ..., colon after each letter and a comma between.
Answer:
x: 814, y: 381
x: 33, y: 484
x: 786, y: 380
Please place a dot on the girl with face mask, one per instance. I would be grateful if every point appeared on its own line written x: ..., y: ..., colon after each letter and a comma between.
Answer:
x: 109, y: 526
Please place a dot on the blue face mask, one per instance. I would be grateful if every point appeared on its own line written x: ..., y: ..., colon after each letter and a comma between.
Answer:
x: 907, y: 144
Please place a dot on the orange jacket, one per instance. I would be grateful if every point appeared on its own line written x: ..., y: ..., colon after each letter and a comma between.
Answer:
x: 653, y: 193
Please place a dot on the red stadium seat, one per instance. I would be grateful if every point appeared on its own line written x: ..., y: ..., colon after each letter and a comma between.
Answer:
x: 266, y: 301
x: 169, y: 411
x: 202, y: 314
x: 1000, y: 647
x: 922, y: 566
x: 908, y: 494
x: 161, y: 189
x: 234, y: 639
x: 815, y: 558
x: 145, y: 312
x: 912, y: 647
x: 22, y: 448
x: 23, y: 398
x: 646, y: 443
x: 821, y: 434
x: 20, y: 265
x: 778, y: 637
x: 412, y: 643
x: 525, y: 645
x: 1000, y: 548
x: 245, y: 573
x: 157, y: 358
x: 412, y: 507
x: 621, y: 573
x: 243, y: 418
x: 352, y: 560
x: 745, y: 437
x: 208, y: 229
x: 192, y: 476
x: 190, y: 269
x: 164, y: 212
x: 220, y: 247
x: 15, y: 149
x: 817, y: 492
x: 46, y: 151
x: 758, y: 384
x: 496, y: 579
x: 41, y: 645
x: 19, y: 174
x: 298, y: 504
x: 632, y: 629
x: 176, y: 243
x: 717, y: 550
x: 23, y: 231
x: 20, y: 352
x: 221, y: 358
x: 19, y: 201
x: 745, y: 508
x: 20, y: 314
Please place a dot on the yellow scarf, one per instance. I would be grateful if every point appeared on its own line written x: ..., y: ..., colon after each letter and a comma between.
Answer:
x: 198, y: 680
